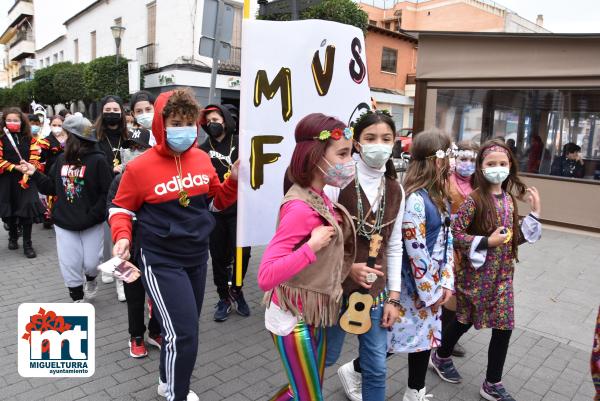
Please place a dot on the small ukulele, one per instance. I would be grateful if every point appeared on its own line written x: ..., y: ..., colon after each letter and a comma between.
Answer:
x: 357, y: 318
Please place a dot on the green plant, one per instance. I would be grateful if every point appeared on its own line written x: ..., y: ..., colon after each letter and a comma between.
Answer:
x: 69, y: 85
x: 43, y: 83
x: 22, y: 94
x: 343, y: 11
x: 103, y: 76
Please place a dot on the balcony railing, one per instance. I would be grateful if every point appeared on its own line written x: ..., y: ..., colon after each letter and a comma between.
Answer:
x: 23, y: 35
x: 235, y: 60
x: 146, y: 55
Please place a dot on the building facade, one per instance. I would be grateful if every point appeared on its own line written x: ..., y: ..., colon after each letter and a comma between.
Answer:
x: 162, y: 35
x: 19, y: 43
x: 392, y: 49
x: 548, y: 99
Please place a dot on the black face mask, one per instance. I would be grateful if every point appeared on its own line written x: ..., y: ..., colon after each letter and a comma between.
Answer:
x: 111, y: 118
x: 214, y: 129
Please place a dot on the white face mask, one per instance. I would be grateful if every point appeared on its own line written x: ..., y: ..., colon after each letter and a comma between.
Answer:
x: 496, y: 175
x: 56, y: 130
x: 375, y: 155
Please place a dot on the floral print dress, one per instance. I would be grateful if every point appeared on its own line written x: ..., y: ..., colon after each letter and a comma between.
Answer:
x: 420, y: 328
x: 484, y: 290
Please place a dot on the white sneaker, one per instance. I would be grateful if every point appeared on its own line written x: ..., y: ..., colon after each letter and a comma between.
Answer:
x: 107, y: 278
x: 414, y: 395
x: 90, y: 289
x: 120, y: 291
x: 162, y: 391
x: 351, y: 380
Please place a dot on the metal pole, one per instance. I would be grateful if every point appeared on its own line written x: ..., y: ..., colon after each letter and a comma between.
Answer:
x: 294, y: 7
x: 215, y: 54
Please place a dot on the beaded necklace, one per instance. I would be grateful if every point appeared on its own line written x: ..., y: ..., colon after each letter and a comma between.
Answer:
x: 364, y: 228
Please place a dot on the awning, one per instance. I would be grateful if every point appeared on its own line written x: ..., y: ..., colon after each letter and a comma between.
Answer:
x: 8, y: 35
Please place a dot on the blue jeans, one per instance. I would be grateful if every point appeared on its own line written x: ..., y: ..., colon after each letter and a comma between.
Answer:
x: 372, y: 351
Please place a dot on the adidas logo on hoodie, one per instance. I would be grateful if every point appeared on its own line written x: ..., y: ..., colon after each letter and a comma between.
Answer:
x: 176, y: 185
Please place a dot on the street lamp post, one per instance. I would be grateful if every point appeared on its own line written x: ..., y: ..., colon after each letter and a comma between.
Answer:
x: 117, y: 32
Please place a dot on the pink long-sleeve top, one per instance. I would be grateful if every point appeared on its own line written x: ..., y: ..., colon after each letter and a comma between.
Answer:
x: 280, y: 262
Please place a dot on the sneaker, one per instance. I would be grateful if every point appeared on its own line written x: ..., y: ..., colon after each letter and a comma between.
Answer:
x: 459, y: 351
x: 241, y: 306
x: 107, y: 278
x: 494, y: 392
x: 417, y: 395
x: 162, y: 391
x: 445, y: 368
x: 223, y: 310
x: 155, y: 340
x: 120, y: 291
x: 13, y: 244
x: 137, y: 348
x: 351, y: 381
x: 90, y: 289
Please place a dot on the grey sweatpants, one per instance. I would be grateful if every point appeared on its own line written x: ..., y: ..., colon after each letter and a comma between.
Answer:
x: 79, y: 253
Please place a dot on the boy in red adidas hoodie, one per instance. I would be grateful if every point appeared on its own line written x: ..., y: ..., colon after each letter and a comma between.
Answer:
x: 172, y: 189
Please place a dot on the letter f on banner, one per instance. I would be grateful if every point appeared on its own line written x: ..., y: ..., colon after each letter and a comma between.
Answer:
x: 283, y: 81
x: 258, y: 158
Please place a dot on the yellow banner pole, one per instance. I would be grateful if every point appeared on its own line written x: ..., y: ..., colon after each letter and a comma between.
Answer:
x: 238, y: 251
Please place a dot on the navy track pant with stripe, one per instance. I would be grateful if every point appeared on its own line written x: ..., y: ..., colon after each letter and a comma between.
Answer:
x: 177, y: 294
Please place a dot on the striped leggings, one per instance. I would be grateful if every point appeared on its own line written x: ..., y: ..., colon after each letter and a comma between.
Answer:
x: 303, y: 355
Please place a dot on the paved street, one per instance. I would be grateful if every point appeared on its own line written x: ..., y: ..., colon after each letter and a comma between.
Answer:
x: 557, y: 295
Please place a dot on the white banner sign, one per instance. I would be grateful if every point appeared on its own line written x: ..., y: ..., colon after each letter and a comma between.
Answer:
x: 289, y: 70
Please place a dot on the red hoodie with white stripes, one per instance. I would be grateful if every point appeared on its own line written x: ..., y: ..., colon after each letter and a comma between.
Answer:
x: 170, y: 234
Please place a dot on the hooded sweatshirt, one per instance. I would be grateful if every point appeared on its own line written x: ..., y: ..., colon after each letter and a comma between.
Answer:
x: 80, y: 190
x: 170, y: 234
x: 225, y: 153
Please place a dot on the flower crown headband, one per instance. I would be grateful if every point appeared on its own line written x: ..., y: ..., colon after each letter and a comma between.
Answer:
x: 336, y: 134
x: 466, y: 153
x: 492, y: 149
x: 441, y: 154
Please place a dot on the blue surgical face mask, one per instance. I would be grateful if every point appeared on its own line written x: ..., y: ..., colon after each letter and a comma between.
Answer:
x: 35, y: 129
x: 145, y: 120
x: 181, y: 139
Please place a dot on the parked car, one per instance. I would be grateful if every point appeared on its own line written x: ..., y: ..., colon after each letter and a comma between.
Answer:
x: 404, y: 137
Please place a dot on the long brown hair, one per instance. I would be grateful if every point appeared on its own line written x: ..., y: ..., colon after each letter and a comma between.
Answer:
x: 25, y: 126
x: 423, y: 171
x: 484, y: 221
x: 100, y: 126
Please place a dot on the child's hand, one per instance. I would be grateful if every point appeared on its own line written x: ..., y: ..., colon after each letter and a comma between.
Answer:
x: 497, y: 238
x: 320, y: 237
x: 359, y: 271
x: 235, y: 168
x: 121, y: 249
x: 26, y: 168
x: 533, y: 198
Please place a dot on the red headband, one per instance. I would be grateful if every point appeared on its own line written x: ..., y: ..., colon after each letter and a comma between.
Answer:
x: 492, y: 149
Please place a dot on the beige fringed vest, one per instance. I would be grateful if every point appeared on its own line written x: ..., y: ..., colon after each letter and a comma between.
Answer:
x: 318, y: 287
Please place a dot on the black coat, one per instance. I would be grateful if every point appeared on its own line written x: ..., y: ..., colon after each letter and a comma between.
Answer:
x: 80, y: 190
